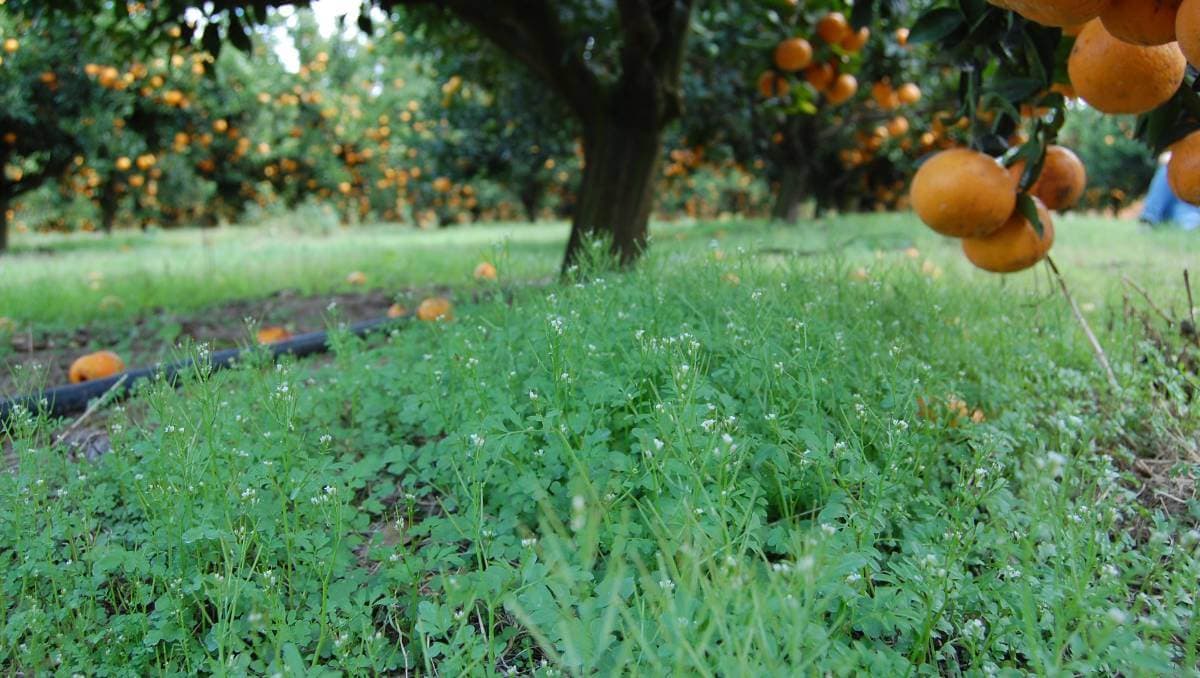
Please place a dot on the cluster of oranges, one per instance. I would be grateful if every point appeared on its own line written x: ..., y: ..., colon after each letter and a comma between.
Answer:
x: 797, y: 55
x: 1129, y: 57
x: 969, y: 195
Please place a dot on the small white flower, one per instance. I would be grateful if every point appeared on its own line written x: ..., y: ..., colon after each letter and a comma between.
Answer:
x: 533, y: 395
x: 326, y: 439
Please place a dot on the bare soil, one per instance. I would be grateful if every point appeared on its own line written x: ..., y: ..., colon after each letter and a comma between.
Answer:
x: 37, y: 360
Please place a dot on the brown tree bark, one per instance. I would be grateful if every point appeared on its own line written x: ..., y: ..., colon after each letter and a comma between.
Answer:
x: 4, y: 202
x: 616, y: 195
x: 108, y: 205
x: 622, y: 119
x: 796, y: 165
x: 793, y: 189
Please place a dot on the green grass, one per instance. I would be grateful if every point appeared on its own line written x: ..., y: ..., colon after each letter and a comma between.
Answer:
x: 53, y: 282
x: 57, y: 282
x: 711, y: 466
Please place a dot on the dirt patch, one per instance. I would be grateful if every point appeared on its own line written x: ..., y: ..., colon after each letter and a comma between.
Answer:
x: 34, y: 360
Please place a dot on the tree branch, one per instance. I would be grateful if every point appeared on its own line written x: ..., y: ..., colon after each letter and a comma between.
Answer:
x: 673, y: 19
x: 530, y: 32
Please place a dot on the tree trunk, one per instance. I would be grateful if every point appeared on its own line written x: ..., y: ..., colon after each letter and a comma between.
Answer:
x: 793, y: 188
x: 531, y: 196
x: 617, y: 191
x: 108, y: 206
x: 3, y: 223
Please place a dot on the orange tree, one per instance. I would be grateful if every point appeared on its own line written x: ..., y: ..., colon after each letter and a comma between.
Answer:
x: 614, y: 65
x: 500, y: 139
x: 1121, y: 58
x: 45, y: 96
x: 135, y: 129
x: 828, y: 110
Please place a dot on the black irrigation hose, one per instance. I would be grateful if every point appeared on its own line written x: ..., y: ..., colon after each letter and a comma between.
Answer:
x: 62, y: 401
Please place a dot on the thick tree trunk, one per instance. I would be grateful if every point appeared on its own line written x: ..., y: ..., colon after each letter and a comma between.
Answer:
x: 617, y: 191
x: 793, y: 189
x: 531, y: 196
x: 108, y: 206
x: 3, y: 223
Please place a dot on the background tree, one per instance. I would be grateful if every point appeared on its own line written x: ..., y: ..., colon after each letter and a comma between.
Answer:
x: 615, y: 66
x: 43, y: 97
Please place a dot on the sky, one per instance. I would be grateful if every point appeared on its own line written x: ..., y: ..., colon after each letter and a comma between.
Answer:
x: 326, y: 13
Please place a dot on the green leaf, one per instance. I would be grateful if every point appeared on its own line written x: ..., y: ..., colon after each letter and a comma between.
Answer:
x: 1029, y: 210
x: 1014, y: 88
x: 935, y: 25
x: 293, y: 660
x: 863, y: 14
x: 211, y: 40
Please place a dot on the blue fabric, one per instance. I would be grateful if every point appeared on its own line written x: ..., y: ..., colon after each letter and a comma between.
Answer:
x: 1162, y: 206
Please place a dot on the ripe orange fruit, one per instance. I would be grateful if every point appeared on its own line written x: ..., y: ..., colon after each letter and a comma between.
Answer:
x: 485, y: 271
x: 1015, y: 246
x: 11, y: 45
x: 356, y: 278
x: 1117, y: 77
x: 1141, y: 22
x: 963, y: 193
x: 856, y: 40
x: 123, y: 164
x: 793, y: 54
x: 908, y: 93
x: 1183, y: 171
x: 1054, y: 12
x: 435, y: 308
x: 1187, y: 30
x: 94, y: 366
x: 902, y: 36
x: 897, y: 126
x: 884, y: 95
x: 272, y: 334
x: 833, y: 27
x: 842, y: 90
x: 772, y: 84
x: 396, y: 311
x: 820, y: 76
x: 1062, y: 181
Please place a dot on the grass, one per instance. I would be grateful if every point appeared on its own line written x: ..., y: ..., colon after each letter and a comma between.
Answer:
x: 739, y: 464
x: 56, y: 282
